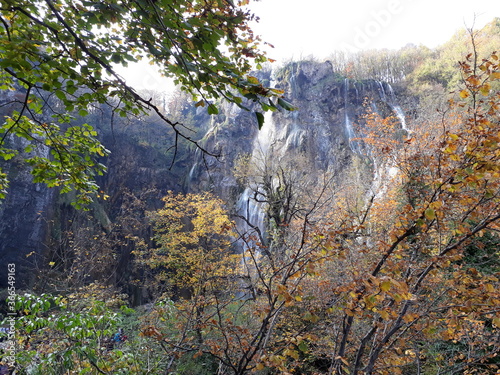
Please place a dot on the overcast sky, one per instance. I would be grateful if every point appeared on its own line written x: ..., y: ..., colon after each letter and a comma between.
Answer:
x: 317, y: 27
x: 300, y: 28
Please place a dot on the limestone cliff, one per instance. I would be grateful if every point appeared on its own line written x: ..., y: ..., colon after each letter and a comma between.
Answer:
x: 325, y: 128
x: 324, y: 131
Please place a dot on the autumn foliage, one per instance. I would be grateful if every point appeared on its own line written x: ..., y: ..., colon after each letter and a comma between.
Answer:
x: 404, y: 280
x: 399, y: 278
x: 410, y: 283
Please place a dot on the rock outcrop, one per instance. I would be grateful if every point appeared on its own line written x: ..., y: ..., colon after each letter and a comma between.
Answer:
x: 323, y: 131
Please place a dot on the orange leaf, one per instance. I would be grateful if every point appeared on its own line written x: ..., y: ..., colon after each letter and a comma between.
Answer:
x: 473, y: 80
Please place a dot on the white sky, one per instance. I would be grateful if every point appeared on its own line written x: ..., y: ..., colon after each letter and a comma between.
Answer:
x: 299, y: 28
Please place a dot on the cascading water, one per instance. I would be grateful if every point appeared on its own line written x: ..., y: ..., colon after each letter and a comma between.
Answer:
x: 386, y: 171
x: 193, y: 170
x: 379, y: 95
x: 384, y: 88
x: 396, y: 108
x: 251, y: 224
x: 263, y: 140
x: 380, y: 98
x: 329, y: 114
x: 248, y: 205
x: 254, y: 214
x: 351, y: 135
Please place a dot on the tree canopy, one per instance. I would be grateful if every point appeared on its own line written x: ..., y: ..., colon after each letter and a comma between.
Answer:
x: 59, y: 59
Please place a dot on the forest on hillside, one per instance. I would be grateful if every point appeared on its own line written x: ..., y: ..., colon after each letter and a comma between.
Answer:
x: 317, y: 217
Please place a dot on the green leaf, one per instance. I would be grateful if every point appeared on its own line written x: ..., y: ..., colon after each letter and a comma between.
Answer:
x: 213, y: 110
x: 60, y: 94
x: 430, y: 214
x: 286, y: 105
x: 83, y: 112
x: 253, y: 80
x: 8, y: 155
x: 260, y: 119
x: 303, y: 346
x: 116, y: 58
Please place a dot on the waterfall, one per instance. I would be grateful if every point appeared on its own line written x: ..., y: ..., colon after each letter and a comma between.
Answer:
x: 254, y: 213
x: 396, y: 108
x: 385, y: 172
x: 247, y: 206
x: 294, y: 139
x: 262, y: 142
x: 351, y: 135
x: 381, y: 91
x: 195, y: 168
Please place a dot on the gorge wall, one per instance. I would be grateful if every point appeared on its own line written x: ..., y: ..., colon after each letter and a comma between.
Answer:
x: 325, y: 129
x: 324, y: 132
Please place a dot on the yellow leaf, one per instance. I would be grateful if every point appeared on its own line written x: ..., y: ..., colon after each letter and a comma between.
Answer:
x: 291, y: 353
x: 496, y: 322
x: 409, y: 296
x: 259, y: 366
x: 410, y: 352
x: 485, y: 89
x: 464, y: 94
x: 495, y: 75
x: 436, y: 205
x: 385, y: 285
x: 384, y: 314
x: 52, y: 264
x: 369, y: 301
x: 397, y: 297
x: 408, y: 318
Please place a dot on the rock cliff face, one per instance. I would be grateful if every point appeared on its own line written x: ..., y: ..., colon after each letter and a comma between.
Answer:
x: 38, y: 221
x: 23, y: 221
x: 325, y: 129
x: 322, y: 131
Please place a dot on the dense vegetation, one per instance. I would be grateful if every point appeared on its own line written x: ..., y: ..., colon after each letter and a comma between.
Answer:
x: 345, y: 279
x: 71, y: 50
